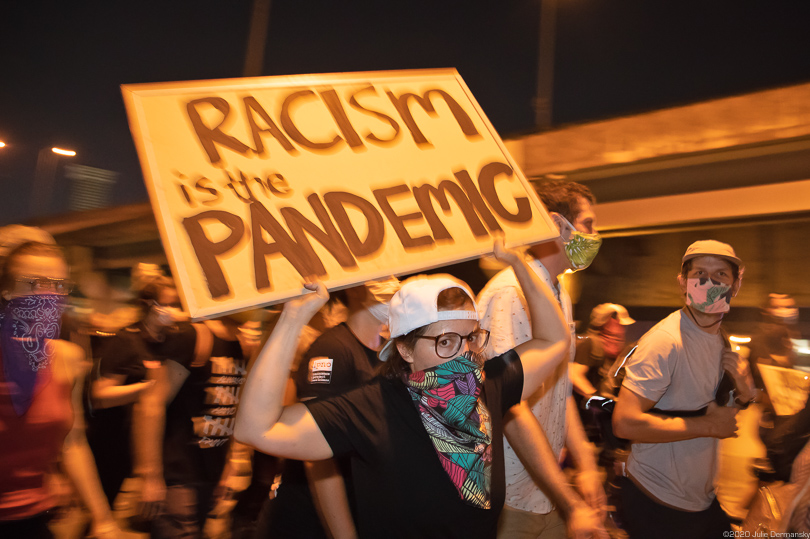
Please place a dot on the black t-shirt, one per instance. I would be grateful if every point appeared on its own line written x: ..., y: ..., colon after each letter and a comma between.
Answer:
x: 333, y: 364
x: 401, y: 487
x: 126, y: 354
x: 199, y: 421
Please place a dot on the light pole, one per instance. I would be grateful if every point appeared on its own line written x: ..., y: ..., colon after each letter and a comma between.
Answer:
x: 44, y: 178
x: 545, y: 65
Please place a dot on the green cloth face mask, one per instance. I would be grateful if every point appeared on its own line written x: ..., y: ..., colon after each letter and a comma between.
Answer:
x: 581, y: 248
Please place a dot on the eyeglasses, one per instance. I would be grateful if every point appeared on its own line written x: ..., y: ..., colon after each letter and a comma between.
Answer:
x: 448, y: 344
x: 61, y: 287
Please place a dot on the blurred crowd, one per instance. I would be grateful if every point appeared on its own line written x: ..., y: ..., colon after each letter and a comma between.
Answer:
x: 118, y: 412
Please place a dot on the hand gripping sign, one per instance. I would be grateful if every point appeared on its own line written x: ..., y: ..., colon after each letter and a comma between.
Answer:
x: 257, y: 182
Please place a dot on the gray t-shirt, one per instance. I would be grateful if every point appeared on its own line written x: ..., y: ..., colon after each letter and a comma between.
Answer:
x: 678, y: 366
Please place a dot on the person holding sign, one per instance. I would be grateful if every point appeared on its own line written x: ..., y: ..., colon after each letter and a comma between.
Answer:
x: 677, y: 368
x: 313, y: 496
x: 425, y: 439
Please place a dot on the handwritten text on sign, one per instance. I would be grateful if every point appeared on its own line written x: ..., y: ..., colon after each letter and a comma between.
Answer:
x: 258, y: 182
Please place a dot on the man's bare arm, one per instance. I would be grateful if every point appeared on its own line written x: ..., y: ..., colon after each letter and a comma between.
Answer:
x: 631, y: 421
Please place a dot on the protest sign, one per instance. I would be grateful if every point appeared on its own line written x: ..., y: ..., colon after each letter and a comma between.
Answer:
x: 787, y: 388
x: 257, y: 182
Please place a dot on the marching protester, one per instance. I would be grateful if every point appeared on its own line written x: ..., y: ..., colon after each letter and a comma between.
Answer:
x: 529, y: 509
x: 343, y: 357
x: 184, y: 423
x: 41, y: 413
x: 596, y: 353
x: 425, y: 440
x: 667, y: 407
x: 127, y: 363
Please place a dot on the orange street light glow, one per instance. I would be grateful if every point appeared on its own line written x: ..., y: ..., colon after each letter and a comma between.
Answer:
x: 60, y: 151
x: 2, y: 144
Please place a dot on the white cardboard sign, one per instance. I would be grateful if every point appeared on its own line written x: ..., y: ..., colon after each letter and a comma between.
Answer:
x: 257, y: 182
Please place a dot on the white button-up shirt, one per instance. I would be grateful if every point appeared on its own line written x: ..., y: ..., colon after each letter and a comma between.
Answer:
x: 503, y: 311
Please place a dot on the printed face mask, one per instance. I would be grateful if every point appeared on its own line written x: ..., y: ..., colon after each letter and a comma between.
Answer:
x: 458, y: 423
x: 581, y: 248
x: 27, y: 324
x: 707, y: 295
x: 613, y: 335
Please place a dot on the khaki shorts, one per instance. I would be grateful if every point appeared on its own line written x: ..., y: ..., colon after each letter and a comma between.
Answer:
x: 517, y: 524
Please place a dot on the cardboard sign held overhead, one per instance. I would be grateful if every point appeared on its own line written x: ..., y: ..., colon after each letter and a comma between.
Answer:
x: 257, y: 182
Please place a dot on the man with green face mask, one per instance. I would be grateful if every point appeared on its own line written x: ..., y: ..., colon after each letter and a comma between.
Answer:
x: 528, y: 511
x: 668, y: 488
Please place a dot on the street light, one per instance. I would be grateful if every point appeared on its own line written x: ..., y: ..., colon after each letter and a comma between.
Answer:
x: 545, y: 65
x: 2, y: 144
x: 44, y: 178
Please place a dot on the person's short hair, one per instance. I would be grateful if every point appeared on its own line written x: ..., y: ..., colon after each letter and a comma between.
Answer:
x: 32, y: 248
x: 563, y: 197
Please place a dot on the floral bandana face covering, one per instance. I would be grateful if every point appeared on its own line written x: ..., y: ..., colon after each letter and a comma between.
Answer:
x: 458, y: 423
x: 581, y: 248
x: 27, y: 324
x: 707, y: 295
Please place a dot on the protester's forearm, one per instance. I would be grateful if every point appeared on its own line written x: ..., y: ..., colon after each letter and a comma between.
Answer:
x: 148, y: 428
x: 579, y: 379
x: 81, y: 468
x: 526, y: 436
x: 329, y: 495
x: 115, y: 395
x: 576, y: 441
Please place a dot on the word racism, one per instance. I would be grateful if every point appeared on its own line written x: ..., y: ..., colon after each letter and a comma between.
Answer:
x: 255, y: 114
x: 479, y: 203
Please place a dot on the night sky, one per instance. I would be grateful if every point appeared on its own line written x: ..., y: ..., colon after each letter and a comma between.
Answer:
x: 62, y: 63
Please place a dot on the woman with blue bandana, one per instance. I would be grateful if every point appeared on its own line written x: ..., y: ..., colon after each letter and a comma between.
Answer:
x: 41, y: 415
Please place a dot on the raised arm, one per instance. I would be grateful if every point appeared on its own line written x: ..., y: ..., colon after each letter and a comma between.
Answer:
x: 263, y: 421
x: 550, y: 338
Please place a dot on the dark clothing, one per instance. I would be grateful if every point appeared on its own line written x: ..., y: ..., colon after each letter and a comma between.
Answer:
x: 401, y: 488
x: 35, y: 527
x: 591, y: 353
x: 199, y: 425
x: 786, y: 440
x: 771, y: 339
x: 335, y: 363
x: 186, y: 509
x: 352, y: 364
x: 109, y: 429
x: 644, y: 518
x: 199, y: 421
